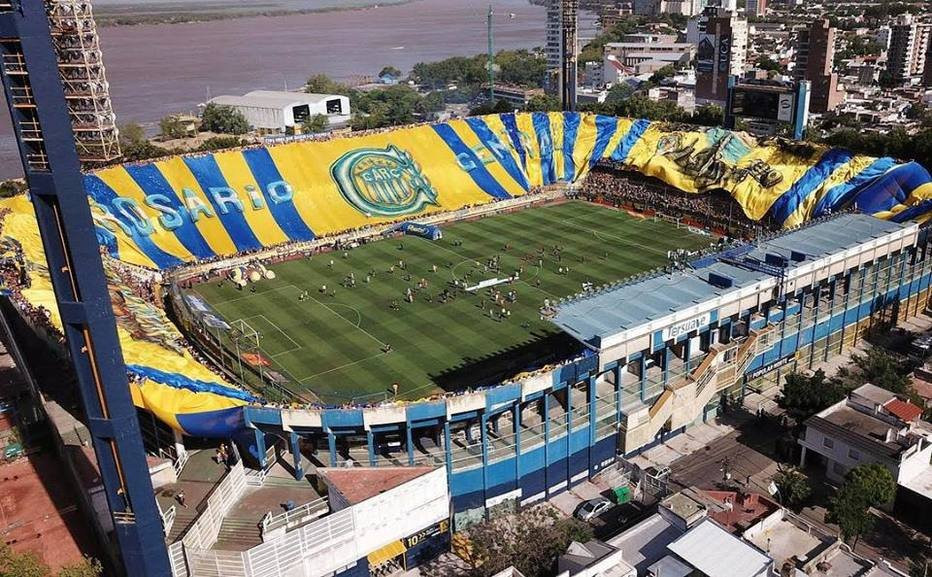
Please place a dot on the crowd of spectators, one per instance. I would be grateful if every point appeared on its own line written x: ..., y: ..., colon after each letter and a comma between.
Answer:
x: 334, y: 241
x: 609, y: 183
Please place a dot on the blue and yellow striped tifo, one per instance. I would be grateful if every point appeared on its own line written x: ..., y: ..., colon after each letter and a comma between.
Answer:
x: 182, y: 209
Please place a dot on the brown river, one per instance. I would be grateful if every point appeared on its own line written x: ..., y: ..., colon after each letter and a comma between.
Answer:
x: 155, y: 70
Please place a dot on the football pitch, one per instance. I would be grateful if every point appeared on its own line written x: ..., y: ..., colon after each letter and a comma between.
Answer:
x: 351, y: 343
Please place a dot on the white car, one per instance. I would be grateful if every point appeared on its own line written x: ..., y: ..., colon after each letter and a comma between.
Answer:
x: 592, y: 508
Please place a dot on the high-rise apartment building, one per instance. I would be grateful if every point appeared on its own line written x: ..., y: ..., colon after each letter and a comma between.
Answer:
x: 722, y: 39
x: 562, y: 50
x: 815, y: 54
x: 909, y: 46
x: 756, y: 8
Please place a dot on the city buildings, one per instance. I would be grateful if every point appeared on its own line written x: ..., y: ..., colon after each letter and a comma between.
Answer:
x: 815, y: 53
x: 658, y: 7
x: 722, y: 39
x: 647, y: 55
x: 909, y: 46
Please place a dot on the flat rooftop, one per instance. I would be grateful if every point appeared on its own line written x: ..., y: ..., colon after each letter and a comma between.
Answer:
x: 360, y: 483
x: 785, y: 540
x: 646, y: 543
x: 857, y: 429
x: 921, y: 483
x: 594, y: 317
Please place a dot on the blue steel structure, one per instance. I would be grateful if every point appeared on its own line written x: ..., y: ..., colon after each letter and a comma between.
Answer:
x: 46, y: 142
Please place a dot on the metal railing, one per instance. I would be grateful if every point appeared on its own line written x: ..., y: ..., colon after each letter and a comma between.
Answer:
x: 179, y: 463
x: 203, y: 533
x: 310, y: 510
x: 168, y: 519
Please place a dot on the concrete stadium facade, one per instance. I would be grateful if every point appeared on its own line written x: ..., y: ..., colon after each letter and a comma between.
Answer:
x: 779, y: 304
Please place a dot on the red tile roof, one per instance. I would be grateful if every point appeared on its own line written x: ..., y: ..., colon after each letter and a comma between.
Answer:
x: 357, y: 484
x: 904, y: 410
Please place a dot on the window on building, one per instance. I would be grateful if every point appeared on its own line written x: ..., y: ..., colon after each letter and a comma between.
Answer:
x: 827, y: 443
x: 854, y: 454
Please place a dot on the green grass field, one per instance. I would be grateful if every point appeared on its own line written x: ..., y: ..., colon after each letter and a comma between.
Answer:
x: 332, y: 345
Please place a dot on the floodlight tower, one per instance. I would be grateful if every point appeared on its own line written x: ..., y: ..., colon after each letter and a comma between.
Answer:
x: 42, y: 121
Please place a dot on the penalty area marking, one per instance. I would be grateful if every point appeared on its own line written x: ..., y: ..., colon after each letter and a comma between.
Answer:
x: 345, y: 366
x: 296, y: 346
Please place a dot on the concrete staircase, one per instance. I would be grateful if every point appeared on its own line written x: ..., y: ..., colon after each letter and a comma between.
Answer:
x: 184, y: 518
x: 660, y: 412
x: 238, y: 534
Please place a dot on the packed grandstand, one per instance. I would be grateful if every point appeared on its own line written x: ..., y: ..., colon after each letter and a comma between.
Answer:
x: 184, y: 237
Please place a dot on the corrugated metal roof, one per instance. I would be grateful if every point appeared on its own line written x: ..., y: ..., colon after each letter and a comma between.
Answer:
x: 717, y: 553
x: 593, y: 317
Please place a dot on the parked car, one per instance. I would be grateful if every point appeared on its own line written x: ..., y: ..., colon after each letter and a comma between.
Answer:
x: 921, y: 346
x: 592, y: 509
x: 659, y: 473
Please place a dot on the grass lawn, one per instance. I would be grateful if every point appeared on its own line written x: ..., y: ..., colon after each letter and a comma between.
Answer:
x: 332, y: 344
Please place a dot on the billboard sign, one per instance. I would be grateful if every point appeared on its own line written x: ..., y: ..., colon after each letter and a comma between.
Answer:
x: 763, y: 102
x: 724, y: 52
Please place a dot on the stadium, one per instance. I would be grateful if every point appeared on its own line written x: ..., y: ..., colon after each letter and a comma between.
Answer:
x: 517, y: 298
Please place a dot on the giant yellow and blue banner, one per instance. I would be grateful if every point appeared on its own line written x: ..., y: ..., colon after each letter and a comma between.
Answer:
x: 182, y: 209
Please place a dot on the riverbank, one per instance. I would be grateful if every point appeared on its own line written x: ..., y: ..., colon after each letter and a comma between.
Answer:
x: 134, y: 13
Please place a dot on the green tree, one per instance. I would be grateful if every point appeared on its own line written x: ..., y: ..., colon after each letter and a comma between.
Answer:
x: 865, y: 486
x: 792, y: 486
x: 132, y: 134
x: 521, y: 68
x: 223, y: 119
x: 323, y: 84
x: 89, y: 567
x: 767, y: 63
x: 878, y: 367
x: 316, y: 123
x: 28, y: 564
x: 543, y: 103
x: 430, y: 104
x: 708, y: 115
x: 804, y: 396
x: 667, y: 71
x: 619, y: 93
x: 220, y: 143
x: 499, y: 107
x: 530, y: 541
x: 172, y: 127
x: 10, y: 188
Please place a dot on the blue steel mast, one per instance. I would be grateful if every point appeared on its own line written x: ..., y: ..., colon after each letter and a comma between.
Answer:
x: 45, y: 137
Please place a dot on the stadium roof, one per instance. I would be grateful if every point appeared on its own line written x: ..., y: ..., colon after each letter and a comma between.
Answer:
x: 594, y: 317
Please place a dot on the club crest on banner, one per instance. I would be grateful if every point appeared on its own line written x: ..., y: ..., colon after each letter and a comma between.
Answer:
x: 382, y: 182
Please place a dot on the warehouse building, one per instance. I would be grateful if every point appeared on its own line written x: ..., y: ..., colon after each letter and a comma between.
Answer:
x: 276, y: 111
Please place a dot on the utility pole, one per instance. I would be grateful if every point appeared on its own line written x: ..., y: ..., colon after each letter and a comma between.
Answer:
x: 491, y: 63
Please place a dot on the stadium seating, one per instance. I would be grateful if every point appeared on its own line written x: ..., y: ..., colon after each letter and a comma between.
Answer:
x: 184, y: 209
